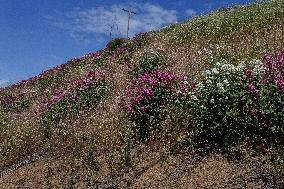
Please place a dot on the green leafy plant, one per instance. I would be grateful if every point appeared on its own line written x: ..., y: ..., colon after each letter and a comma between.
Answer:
x: 148, y: 63
x: 221, y: 105
x: 272, y: 96
x: 116, y: 43
x: 235, y: 103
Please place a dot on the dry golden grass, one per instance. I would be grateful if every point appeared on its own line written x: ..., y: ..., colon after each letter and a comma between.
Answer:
x: 153, y: 167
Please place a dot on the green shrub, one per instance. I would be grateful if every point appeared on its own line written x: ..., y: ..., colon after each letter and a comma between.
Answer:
x: 148, y: 63
x: 21, y: 105
x: 272, y: 97
x: 116, y: 43
x: 220, y: 105
x: 233, y: 104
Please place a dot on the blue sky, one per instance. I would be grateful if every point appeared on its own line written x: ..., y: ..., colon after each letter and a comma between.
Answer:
x: 36, y: 35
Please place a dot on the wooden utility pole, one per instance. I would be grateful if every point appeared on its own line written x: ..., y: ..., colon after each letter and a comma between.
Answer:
x: 111, y: 26
x: 110, y: 31
x: 128, y: 23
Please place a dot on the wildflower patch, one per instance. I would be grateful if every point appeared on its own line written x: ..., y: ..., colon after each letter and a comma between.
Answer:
x: 82, y: 95
x: 234, y: 103
x: 148, y: 94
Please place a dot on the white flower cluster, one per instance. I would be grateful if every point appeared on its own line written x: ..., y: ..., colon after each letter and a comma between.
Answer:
x: 224, y: 68
x: 207, y: 52
x: 257, y: 67
x: 200, y: 86
x: 223, y: 74
x: 193, y: 96
x: 225, y: 77
x: 228, y: 68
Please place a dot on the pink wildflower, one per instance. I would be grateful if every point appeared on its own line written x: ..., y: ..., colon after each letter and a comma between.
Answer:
x: 130, y: 109
x: 253, y: 89
x: 249, y: 73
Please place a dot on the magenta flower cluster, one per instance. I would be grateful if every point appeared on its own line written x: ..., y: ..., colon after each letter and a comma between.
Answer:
x: 253, y: 89
x: 96, y: 55
x: 249, y: 73
x: 10, y: 99
x: 273, y: 74
x: 252, y: 86
x: 91, y: 78
x: 140, y: 35
x: 57, y: 69
x: 144, y: 88
x: 274, y: 70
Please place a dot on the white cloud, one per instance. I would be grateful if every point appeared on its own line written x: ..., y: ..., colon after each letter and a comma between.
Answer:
x: 190, y: 12
x: 99, y: 20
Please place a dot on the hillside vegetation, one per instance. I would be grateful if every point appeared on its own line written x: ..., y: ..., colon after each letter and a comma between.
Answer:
x: 198, y: 104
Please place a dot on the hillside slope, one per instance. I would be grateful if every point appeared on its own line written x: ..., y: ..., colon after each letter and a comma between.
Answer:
x: 69, y: 127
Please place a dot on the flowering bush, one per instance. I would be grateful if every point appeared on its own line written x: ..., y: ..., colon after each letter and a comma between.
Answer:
x: 272, y: 93
x: 83, y: 94
x: 220, y: 104
x: 17, y: 102
x: 235, y: 103
x: 136, y: 43
x: 97, y: 59
x: 148, y: 95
